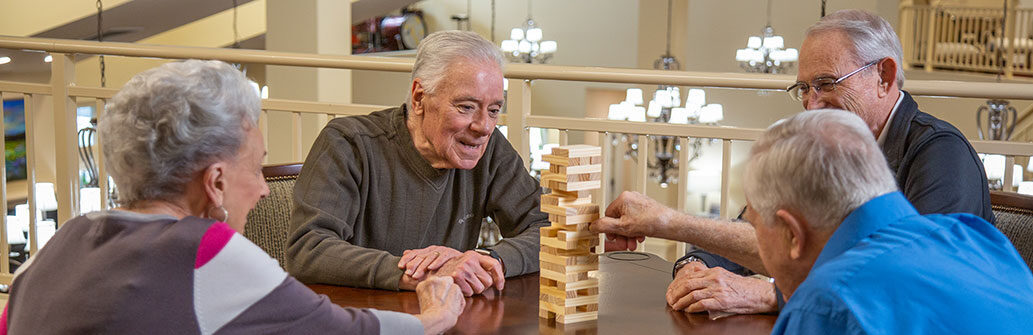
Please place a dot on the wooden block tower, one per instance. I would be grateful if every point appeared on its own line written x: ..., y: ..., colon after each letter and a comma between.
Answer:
x: 567, y: 293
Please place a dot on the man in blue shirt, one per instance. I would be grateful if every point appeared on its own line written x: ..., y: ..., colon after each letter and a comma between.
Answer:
x: 850, y: 254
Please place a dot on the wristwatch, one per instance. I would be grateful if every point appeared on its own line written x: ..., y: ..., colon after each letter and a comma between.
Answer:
x: 683, y: 262
x: 489, y: 252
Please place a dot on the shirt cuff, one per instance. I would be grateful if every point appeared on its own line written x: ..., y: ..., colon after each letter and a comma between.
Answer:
x: 778, y: 299
x: 388, y: 274
x: 397, y: 323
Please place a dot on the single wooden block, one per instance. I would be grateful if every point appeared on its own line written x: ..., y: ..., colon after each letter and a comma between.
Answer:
x: 572, y: 161
x: 575, y: 186
x: 570, y: 177
x: 577, y: 317
x: 564, y: 286
x: 546, y: 314
x: 572, y: 195
x: 567, y: 235
x: 562, y: 252
x: 576, y: 169
x: 566, y: 220
x: 554, y: 199
x: 561, y: 268
x: 575, y: 244
x: 570, y: 210
x: 568, y: 277
x: 568, y: 260
x: 577, y: 150
x: 568, y: 294
x: 556, y: 297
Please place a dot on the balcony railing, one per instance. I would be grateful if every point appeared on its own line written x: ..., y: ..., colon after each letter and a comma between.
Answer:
x: 67, y: 97
x: 968, y: 39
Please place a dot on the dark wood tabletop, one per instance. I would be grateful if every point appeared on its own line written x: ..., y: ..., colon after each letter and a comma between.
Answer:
x: 631, y: 301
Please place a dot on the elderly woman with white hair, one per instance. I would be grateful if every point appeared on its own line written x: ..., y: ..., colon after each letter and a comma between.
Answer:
x: 183, y: 146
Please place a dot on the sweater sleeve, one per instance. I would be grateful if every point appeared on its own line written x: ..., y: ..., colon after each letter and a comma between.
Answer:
x: 271, y: 302
x: 513, y: 202
x: 327, y: 204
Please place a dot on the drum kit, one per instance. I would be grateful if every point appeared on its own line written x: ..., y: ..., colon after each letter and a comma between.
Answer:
x: 389, y: 33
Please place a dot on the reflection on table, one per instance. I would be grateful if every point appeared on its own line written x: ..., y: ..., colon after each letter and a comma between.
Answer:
x: 631, y: 301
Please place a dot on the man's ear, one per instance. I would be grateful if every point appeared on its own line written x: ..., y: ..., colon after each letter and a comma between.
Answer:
x: 795, y: 232
x: 887, y: 68
x: 214, y: 177
x: 416, y: 92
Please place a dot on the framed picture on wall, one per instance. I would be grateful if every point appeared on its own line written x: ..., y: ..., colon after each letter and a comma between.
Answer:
x: 14, y: 139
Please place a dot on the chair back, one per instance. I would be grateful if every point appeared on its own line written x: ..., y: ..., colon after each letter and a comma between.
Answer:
x: 1014, y: 214
x: 268, y: 224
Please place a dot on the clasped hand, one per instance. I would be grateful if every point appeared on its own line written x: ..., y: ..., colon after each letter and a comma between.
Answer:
x: 471, y: 271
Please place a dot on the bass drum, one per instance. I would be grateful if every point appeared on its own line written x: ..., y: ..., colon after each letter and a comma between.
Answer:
x: 403, y: 32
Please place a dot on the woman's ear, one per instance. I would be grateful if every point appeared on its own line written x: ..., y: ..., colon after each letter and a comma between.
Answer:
x: 215, y: 183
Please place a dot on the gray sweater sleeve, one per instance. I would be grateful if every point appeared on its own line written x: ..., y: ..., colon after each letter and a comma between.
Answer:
x: 327, y: 205
x: 514, y: 202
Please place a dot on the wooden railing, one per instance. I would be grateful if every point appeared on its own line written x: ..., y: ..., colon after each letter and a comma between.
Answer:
x: 968, y: 39
x: 519, y: 119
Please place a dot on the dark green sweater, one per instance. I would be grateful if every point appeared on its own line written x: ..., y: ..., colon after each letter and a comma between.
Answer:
x: 366, y: 194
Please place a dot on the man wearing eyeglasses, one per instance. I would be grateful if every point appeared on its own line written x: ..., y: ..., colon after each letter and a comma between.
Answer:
x: 849, y: 60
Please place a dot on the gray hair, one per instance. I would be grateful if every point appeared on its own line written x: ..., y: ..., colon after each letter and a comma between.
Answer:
x: 170, y: 122
x: 824, y: 163
x: 872, y: 36
x: 440, y: 49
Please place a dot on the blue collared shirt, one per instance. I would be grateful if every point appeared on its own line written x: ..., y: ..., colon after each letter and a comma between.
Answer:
x: 889, y: 270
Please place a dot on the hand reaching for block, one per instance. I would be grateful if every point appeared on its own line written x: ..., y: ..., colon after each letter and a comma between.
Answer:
x: 630, y: 218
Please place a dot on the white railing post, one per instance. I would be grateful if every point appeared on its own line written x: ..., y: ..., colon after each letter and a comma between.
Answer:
x: 66, y: 179
x: 726, y: 171
x: 683, y: 185
x: 518, y: 107
x: 642, y: 168
x: 1009, y: 173
x: 102, y: 170
x: 5, y: 246
x: 930, y: 38
x: 30, y: 170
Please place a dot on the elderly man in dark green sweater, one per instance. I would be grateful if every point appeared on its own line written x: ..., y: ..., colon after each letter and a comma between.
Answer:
x: 388, y: 199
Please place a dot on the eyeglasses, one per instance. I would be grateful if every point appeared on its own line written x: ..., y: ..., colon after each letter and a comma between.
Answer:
x: 799, y: 89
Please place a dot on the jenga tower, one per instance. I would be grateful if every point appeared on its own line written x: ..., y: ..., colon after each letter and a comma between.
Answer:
x: 567, y: 293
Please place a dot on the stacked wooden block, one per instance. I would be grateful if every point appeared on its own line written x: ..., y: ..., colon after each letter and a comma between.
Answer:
x: 567, y: 293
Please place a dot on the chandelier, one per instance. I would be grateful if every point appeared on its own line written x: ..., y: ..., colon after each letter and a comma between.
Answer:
x: 766, y: 53
x: 525, y: 44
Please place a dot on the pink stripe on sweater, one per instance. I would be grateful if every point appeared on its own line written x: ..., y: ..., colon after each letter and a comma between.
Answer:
x: 212, y: 242
x: 3, y: 322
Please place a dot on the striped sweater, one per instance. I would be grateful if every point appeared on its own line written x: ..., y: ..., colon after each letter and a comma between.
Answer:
x: 120, y: 272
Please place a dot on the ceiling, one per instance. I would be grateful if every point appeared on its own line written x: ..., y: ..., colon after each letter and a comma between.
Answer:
x: 129, y: 22
x: 135, y: 20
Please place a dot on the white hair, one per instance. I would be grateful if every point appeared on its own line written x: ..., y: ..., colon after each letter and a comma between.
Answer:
x: 441, y: 49
x: 168, y: 123
x: 873, y: 38
x: 823, y: 163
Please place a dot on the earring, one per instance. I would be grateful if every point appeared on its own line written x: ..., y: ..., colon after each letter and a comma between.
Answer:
x: 225, y: 214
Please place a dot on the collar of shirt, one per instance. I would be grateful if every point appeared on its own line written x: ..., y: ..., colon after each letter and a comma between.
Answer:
x: 865, y: 220
x: 886, y: 129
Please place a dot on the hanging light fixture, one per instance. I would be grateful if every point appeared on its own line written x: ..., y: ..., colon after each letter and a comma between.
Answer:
x: 665, y: 107
x: 1000, y: 116
x: 766, y: 53
x: 525, y: 44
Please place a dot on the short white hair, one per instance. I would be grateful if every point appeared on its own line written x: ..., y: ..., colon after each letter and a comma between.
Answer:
x: 441, y: 49
x: 168, y: 123
x: 872, y: 36
x: 823, y: 163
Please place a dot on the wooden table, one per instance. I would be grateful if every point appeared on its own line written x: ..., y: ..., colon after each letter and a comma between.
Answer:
x: 631, y: 301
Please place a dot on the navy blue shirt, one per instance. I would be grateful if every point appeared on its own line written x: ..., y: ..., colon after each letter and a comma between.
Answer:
x: 889, y: 270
